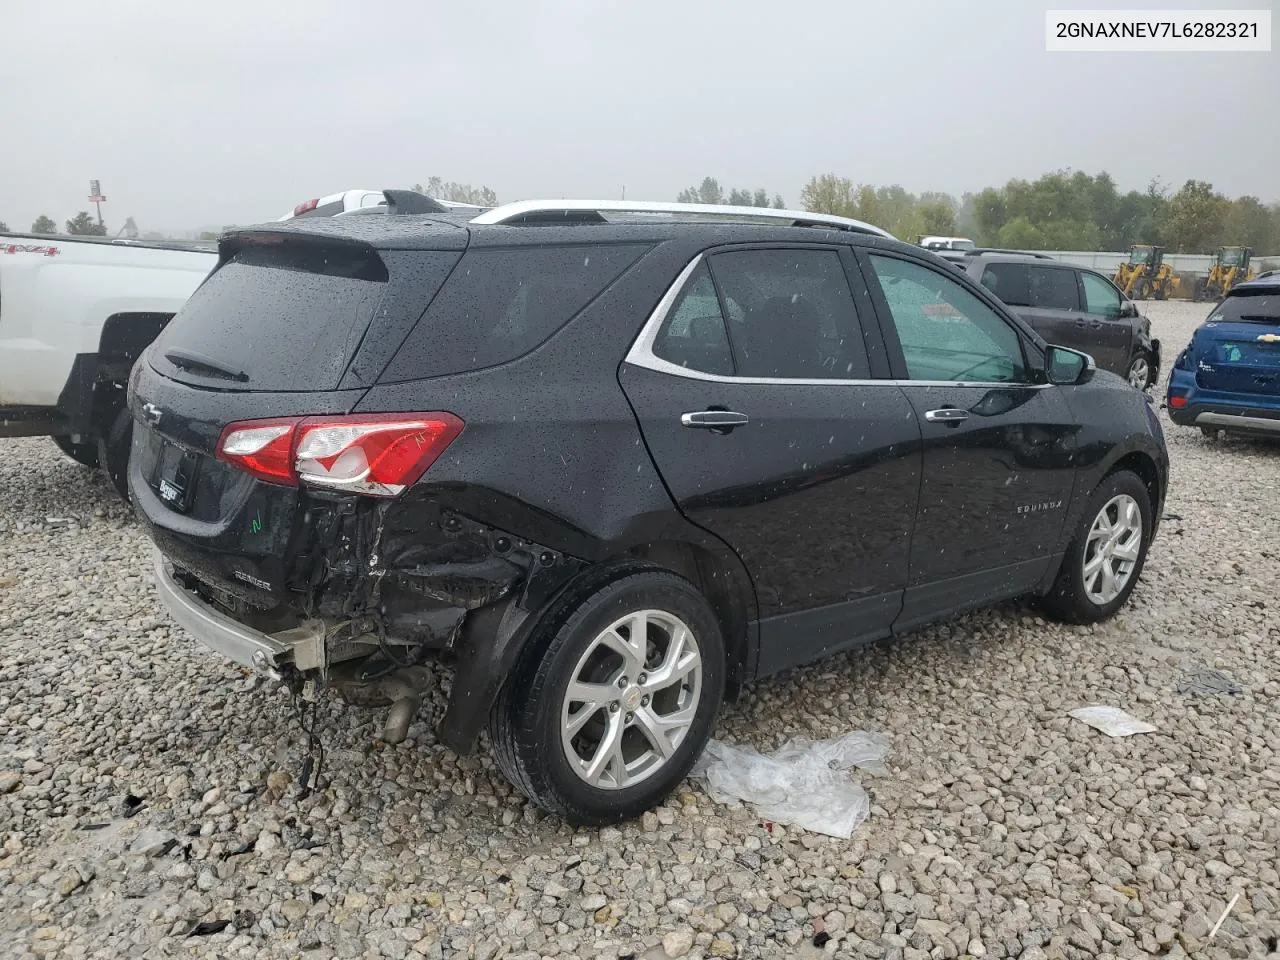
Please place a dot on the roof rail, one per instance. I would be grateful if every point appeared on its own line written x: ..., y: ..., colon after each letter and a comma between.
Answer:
x: 579, y: 211
x: 978, y: 251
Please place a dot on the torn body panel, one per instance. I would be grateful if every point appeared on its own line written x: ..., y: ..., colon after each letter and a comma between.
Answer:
x: 370, y: 591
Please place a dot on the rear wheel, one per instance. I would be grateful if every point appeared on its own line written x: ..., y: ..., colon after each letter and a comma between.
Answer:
x: 113, y: 450
x: 1210, y: 432
x: 85, y: 454
x: 600, y: 720
x: 1105, y: 559
x: 1139, y: 372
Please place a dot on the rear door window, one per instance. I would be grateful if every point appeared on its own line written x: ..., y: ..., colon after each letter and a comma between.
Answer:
x: 501, y: 303
x: 790, y: 314
x: 1054, y: 288
x: 1008, y: 281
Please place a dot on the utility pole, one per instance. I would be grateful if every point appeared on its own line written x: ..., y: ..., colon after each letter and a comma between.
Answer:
x: 624, y: 191
x: 96, y: 198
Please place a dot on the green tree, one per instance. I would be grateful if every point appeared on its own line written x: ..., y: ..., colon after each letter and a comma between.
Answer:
x: 1250, y: 224
x: 130, y: 229
x: 830, y: 194
x: 1020, y: 234
x: 4, y: 227
x: 938, y: 218
x: 1197, y: 218
x: 44, y: 224
x: 777, y: 202
x: 83, y: 225
x: 708, y: 192
x: 990, y: 213
x: 457, y: 192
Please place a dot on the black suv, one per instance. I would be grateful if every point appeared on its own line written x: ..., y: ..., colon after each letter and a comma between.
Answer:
x: 1072, y: 307
x: 611, y: 466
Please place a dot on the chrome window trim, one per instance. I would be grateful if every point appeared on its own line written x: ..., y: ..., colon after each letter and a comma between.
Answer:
x: 641, y: 355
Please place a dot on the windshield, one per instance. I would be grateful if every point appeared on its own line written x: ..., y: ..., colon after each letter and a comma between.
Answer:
x: 1140, y: 255
x: 1232, y: 257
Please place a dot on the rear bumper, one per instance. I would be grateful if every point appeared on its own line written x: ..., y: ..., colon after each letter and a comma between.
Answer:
x: 1238, y: 422
x: 1254, y: 420
x: 214, y: 629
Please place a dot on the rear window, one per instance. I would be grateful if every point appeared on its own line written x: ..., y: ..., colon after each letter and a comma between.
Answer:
x: 256, y: 325
x: 1250, y: 308
x: 501, y: 303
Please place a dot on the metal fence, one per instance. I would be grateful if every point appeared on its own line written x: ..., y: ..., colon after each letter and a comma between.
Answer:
x: 1191, y: 263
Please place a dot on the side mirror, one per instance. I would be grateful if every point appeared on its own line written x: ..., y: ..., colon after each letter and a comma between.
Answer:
x: 1064, y: 366
x: 1128, y: 309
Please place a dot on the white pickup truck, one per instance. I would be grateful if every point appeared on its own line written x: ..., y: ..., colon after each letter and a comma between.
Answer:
x: 75, y: 312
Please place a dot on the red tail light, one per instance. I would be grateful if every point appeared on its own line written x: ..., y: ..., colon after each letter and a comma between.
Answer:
x: 1177, y: 401
x: 376, y: 454
x: 305, y: 207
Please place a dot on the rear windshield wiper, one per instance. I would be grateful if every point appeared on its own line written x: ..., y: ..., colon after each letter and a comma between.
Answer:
x: 1258, y: 318
x: 198, y: 364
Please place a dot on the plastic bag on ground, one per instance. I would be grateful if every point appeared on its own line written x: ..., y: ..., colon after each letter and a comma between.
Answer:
x: 805, y: 783
x: 1112, y: 721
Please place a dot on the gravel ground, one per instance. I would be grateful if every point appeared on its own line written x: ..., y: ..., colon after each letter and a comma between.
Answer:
x: 145, y: 787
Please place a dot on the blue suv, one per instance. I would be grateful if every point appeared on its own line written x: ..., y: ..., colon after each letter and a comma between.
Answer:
x: 1228, y: 377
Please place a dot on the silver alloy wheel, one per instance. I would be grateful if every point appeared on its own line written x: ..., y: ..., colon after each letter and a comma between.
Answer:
x: 631, y: 699
x: 1139, y: 372
x: 1112, y: 549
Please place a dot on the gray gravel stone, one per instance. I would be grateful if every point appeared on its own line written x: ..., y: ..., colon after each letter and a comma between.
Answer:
x: 1002, y: 826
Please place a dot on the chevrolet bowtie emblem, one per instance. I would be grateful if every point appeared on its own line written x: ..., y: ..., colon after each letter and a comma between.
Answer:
x: 1269, y: 338
x: 152, y: 413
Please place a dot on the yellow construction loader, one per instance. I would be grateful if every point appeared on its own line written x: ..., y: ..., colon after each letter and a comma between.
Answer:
x: 1146, y: 274
x: 1230, y: 266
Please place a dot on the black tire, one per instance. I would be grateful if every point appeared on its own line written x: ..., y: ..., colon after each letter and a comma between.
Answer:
x: 85, y: 454
x: 1210, y: 432
x: 1161, y: 291
x: 1068, y: 599
x: 1140, y: 289
x: 113, y: 450
x: 525, y: 725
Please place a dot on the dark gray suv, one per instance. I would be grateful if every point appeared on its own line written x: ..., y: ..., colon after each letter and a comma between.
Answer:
x: 1073, y: 307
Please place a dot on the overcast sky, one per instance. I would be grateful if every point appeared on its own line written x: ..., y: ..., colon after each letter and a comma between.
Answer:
x: 196, y: 114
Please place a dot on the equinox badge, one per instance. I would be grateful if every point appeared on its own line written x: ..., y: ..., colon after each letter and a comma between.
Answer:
x: 152, y: 414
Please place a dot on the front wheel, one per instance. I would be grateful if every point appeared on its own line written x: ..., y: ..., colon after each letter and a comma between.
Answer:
x: 1140, y: 289
x: 599, y: 721
x: 1139, y: 372
x: 1105, y: 558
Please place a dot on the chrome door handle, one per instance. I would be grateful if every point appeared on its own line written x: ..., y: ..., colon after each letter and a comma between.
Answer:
x: 713, y: 419
x: 948, y: 415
